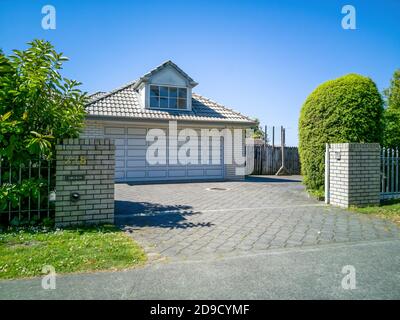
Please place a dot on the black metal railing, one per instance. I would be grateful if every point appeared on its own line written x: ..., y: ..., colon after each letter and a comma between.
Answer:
x: 27, y: 190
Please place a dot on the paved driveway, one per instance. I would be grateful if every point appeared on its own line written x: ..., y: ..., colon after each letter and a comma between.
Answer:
x: 195, y: 221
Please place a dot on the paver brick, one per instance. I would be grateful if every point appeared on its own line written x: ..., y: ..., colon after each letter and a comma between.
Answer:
x: 188, y: 221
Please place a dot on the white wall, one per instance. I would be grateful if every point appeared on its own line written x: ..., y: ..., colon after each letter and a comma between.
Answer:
x: 168, y: 76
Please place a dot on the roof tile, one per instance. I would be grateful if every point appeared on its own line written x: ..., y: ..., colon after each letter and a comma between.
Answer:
x: 124, y: 102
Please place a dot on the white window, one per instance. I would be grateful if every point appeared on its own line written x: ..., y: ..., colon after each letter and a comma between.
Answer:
x: 162, y: 97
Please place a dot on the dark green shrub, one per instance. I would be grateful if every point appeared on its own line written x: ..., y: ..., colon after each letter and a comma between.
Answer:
x: 392, y: 113
x: 347, y: 109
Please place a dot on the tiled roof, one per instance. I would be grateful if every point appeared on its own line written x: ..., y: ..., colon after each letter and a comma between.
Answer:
x: 96, y: 95
x: 124, y: 103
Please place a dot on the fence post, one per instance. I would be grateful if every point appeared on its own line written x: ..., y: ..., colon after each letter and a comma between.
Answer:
x: 327, y: 173
x: 354, y: 174
x: 397, y: 170
x: 383, y: 159
x: 85, y: 181
x: 282, y: 170
x: 265, y: 135
x: 273, y: 137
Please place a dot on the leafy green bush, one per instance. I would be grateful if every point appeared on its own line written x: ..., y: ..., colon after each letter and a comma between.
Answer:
x: 37, y: 104
x: 37, y: 107
x: 392, y: 113
x: 13, y: 192
x: 347, y: 109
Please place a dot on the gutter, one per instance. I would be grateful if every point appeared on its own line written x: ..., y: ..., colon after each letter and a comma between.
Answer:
x: 153, y: 120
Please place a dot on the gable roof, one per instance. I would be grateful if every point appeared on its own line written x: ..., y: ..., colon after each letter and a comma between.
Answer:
x: 165, y: 64
x: 124, y: 103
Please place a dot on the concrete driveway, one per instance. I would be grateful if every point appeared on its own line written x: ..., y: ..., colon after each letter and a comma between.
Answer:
x: 258, y: 239
x: 194, y: 221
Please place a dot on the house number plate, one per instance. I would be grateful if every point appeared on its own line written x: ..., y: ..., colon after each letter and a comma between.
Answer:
x: 79, y: 177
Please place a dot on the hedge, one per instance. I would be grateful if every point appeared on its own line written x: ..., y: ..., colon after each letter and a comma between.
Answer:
x: 347, y: 109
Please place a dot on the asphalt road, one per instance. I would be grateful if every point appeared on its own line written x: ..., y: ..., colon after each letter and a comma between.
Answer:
x: 297, y: 273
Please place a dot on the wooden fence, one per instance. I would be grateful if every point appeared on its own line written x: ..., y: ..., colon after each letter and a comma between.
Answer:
x: 268, y: 159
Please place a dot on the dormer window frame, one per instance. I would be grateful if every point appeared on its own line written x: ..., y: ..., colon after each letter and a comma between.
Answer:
x: 168, y: 96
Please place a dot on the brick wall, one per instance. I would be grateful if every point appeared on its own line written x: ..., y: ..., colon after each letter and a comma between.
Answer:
x: 86, y: 167
x: 354, y: 174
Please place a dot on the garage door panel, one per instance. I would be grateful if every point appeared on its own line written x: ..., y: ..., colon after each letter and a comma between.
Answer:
x: 137, y: 131
x: 120, y: 152
x: 119, y: 142
x: 136, y: 142
x: 139, y: 148
x: 119, y: 174
x: 136, y: 152
x: 157, y: 173
x: 194, y: 173
x: 177, y: 173
x: 115, y: 130
x: 135, y: 174
x: 136, y: 163
x: 176, y: 167
x: 214, y: 173
x: 131, y: 163
x: 158, y: 162
x: 213, y: 167
x: 196, y: 166
x: 142, y: 158
x: 157, y: 167
x: 157, y: 134
x: 120, y: 163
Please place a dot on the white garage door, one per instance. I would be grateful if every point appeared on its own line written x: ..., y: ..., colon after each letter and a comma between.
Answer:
x: 131, y: 164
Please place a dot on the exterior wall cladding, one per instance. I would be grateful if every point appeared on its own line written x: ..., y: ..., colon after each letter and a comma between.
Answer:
x: 86, y: 167
x: 96, y: 129
x: 354, y: 174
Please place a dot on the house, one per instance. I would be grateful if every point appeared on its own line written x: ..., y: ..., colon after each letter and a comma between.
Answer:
x: 161, y: 97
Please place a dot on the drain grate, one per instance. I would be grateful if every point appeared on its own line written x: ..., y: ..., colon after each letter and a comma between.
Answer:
x: 217, y: 189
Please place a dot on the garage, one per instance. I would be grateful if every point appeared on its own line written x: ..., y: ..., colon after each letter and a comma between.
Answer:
x: 160, y: 97
x: 131, y: 164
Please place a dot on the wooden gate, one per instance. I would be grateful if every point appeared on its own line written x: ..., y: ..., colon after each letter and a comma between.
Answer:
x: 268, y: 159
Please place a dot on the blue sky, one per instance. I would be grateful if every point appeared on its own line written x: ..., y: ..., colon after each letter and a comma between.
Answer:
x: 262, y: 58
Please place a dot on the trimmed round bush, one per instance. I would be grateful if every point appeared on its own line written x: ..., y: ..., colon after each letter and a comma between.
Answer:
x: 347, y: 109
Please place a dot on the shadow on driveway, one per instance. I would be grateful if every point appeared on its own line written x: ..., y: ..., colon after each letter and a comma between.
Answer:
x: 135, y: 215
x: 273, y: 179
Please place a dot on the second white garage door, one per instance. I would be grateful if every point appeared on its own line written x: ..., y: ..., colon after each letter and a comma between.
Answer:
x: 131, y: 164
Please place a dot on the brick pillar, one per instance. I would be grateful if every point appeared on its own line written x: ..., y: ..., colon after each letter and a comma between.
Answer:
x: 354, y: 174
x: 84, y: 181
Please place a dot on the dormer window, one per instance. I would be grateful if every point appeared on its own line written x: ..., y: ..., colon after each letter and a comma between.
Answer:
x: 167, y: 97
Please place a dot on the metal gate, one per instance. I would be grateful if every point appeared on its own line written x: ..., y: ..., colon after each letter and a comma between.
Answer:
x: 390, y: 180
x: 27, y: 190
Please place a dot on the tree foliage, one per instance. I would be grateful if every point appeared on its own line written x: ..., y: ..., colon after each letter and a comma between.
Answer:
x: 37, y: 104
x: 258, y: 133
x: 392, y: 112
x: 347, y: 109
